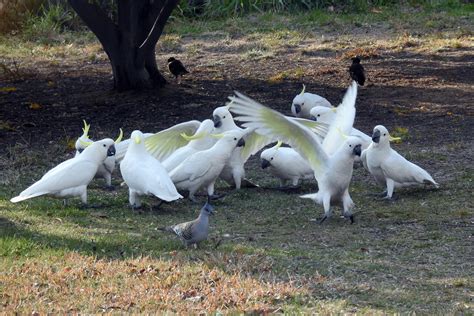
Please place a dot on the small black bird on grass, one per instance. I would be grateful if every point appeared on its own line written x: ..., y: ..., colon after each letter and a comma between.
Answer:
x: 176, y: 68
x: 357, y: 71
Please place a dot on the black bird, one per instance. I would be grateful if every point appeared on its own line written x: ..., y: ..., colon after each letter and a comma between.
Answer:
x: 357, y: 71
x: 176, y: 67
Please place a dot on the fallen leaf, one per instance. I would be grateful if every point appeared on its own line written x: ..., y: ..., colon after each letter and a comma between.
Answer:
x: 35, y: 106
x: 8, y: 89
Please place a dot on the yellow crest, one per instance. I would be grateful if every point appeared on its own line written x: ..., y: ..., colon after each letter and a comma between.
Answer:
x: 395, y: 139
x: 278, y: 145
x: 137, y: 140
x: 193, y: 137
x: 217, y: 135
x: 119, y: 138
x: 86, y: 128
x: 302, y: 91
x: 84, y: 143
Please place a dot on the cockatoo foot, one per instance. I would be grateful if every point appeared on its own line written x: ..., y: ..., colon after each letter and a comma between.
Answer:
x: 246, y: 183
x: 91, y: 206
x: 215, y: 197
x: 323, y: 219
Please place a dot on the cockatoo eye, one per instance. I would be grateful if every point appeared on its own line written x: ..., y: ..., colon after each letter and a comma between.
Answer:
x: 350, y: 145
x: 104, y: 145
x: 302, y: 103
x: 234, y: 137
x: 223, y: 117
x: 271, y: 158
x: 384, y: 134
x: 319, y: 115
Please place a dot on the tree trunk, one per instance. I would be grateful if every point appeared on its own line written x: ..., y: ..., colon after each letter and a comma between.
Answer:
x: 129, y: 43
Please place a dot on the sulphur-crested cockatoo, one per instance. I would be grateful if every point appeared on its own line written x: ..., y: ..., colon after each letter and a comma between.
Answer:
x: 144, y: 174
x: 106, y: 169
x: 71, y: 177
x: 234, y: 172
x: 390, y: 168
x: 201, y: 169
x: 201, y: 140
x: 332, y: 172
x: 305, y: 101
x: 327, y: 115
x: 162, y: 144
x: 286, y: 164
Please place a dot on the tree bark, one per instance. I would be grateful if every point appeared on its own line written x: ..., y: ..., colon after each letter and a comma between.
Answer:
x: 130, y: 44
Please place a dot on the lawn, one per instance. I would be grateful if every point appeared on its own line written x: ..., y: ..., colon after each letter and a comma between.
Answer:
x: 266, y: 252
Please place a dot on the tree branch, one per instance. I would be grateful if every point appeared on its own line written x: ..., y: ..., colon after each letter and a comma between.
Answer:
x: 158, y: 26
x: 97, y: 21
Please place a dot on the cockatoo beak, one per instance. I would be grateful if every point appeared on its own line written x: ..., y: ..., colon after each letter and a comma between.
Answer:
x: 313, y: 118
x: 111, y: 151
x: 297, y: 108
x: 357, y: 150
x: 265, y: 164
x: 241, y: 143
x: 376, y: 136
x: 217, y: 121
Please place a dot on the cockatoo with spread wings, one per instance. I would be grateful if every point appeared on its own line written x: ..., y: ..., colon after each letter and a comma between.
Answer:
x: 201, y: 140
x: 332, y: 161
x: 234, y: 172
x: 162, y: 144
x: 327, y: 115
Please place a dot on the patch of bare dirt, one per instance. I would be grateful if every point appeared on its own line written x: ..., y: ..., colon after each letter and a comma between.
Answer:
x: 431, y: 95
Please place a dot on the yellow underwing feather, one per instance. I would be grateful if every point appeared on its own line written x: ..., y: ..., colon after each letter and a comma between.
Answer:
x: 165, y: 142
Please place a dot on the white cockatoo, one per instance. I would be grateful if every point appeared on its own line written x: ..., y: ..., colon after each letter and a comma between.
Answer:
x: 234, y: 172
x: 389, y: 167
x: 304, y: 102
x: 201, y: 140
x: 144, y: 174
x: 71, y: 177
x: 286, y: 164
x: 327, y: 115
x: 201, y: 169
x: 162, y: 144
x: 106, y: 169
x: 333, y: 171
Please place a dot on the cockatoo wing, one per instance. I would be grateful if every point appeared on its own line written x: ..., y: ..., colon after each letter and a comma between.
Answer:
x: 320, y: 129
x: 341, y: 127
x: 192, y: 168
x: 253, y: 143
x: 397, y: 168
x: 165, y: 142
x: 366, y: 138
x: 69, y: 174
x: 278, y: 127
x: 155, y: 179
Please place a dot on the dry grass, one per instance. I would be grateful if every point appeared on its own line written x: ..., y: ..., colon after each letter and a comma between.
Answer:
x: 78, y: 283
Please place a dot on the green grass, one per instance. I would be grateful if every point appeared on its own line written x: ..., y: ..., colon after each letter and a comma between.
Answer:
x: 411, y: 255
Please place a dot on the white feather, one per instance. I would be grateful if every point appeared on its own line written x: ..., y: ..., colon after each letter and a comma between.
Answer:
x: 144, y: 174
